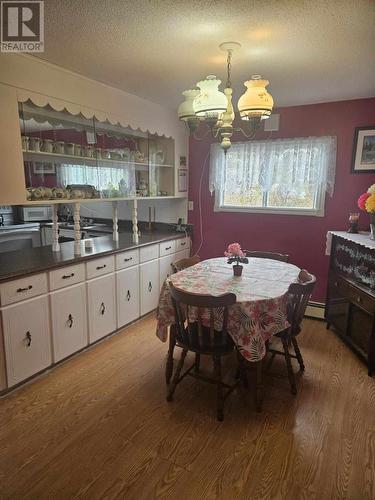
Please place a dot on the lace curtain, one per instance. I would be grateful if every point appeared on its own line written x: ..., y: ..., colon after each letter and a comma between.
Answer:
x: 100, y: 177
x: 291, y: 166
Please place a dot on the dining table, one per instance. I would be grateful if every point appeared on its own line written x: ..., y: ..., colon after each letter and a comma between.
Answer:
x: 260, y: 310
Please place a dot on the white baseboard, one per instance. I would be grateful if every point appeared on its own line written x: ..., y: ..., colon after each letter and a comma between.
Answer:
x: 315, y: 310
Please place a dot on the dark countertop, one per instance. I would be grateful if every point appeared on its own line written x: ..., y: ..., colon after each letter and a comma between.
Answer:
x: 35, y: 260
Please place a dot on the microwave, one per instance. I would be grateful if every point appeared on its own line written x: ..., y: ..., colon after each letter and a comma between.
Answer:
x: 38, y: 213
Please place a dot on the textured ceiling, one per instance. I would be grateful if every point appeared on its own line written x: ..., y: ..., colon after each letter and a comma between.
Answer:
x: 311, y: 51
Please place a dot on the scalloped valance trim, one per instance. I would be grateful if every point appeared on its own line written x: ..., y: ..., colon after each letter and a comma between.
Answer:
x: 75, y: 109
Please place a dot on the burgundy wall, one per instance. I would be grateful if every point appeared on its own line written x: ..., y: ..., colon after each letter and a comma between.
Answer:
x: 302, y: 237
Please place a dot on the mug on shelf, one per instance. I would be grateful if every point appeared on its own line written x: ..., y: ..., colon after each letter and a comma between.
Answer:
x: 88, y: 151
x: 115, y: 155
x: 77, y: 150
x: 106, y: 155
x: 59, y: 147
x: 69, y: 148
x: 47, y: 146
x: 25, y: 142
x: 35, y: 144
x: 98, y: 153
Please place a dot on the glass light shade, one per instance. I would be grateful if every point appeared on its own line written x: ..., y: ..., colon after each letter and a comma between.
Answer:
x: 210, y: 102
x: 256, y: 101
x: 186, y: 110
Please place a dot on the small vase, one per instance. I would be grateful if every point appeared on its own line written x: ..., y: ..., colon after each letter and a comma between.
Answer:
x: 237, y: 270
x: 372, y: 226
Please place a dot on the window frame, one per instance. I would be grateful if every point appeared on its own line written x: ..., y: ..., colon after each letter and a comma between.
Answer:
x: 318, y: 211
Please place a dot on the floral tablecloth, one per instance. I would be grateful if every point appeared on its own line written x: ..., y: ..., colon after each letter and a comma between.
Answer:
x: 260, y: 309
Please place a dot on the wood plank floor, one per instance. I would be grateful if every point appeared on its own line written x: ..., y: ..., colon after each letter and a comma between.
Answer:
x: 98, y: 426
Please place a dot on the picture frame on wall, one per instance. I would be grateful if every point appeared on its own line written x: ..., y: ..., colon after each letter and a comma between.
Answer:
x: 43, y: 168
x: 364, y: 150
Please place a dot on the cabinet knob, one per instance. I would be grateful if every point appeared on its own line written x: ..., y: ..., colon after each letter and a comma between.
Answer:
x: 28, y: 339
x: 359, y: 300
x: 70, y: 321
x: 183, y: 243
x: 102, y: 308
x: 336, y: 284
x: 128, y: 296
x: 149, y: 286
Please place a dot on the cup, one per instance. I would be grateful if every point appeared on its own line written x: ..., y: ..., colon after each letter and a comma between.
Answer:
x: 25, y: 142
x: 47, y: 146
x: 88, y: 151
x: 35, y: 143
x: 59, y: 147
x: 77, y: 150
x: 69, y: 148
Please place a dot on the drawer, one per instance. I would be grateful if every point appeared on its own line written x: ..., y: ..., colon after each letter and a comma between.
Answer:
x: 167, y: 247
x: 353, y: 294
x: 127, y: 259
x: 182, y: 244
x: 148, y: 253
x: 66, y: 276
x: 24, y: 288
x: 98, y: 267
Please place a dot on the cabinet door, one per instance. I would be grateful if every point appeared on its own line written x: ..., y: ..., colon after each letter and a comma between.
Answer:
x: 101, y: 307
x: 165, y: 267
x: 127, y: 283
x: 69, y: 324
x: 149, y: 286
x: 26, y: 338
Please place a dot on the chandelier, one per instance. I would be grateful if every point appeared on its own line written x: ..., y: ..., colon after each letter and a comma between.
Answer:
x: 214, y: 108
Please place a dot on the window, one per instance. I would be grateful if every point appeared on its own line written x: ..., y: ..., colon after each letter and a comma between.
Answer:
x: 287, y: 176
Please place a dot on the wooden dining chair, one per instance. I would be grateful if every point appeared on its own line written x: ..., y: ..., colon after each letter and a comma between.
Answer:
x: 202, y: 340
x: 267, y: 255
x: 298, y: 297
x: 184, y: 263
x: 176, y: 267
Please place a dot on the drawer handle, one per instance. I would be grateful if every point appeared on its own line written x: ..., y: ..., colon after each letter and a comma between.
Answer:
x: 67, y: 276
x: 149, y: 286
x: 168, y: 248
x: 102, y: 308
x: 128, y: 259
x: 70, y: 321
x: 101, y: 267
x: 359, y: 300
x: 128, y: 296
x: 28, y: 339
x: 183, y: 243
x: 336, y: 284
x: 26, y: 289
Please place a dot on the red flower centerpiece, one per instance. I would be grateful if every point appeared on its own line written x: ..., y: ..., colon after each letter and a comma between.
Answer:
x: 366, y: 202
x: 236, y: 255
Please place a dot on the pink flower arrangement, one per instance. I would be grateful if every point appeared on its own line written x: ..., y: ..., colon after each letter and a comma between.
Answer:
x: 234, y: 250
x: 235, y: 254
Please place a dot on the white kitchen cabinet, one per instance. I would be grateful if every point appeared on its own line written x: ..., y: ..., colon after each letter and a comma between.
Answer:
x: 165, y: 267
x: 149, y: 285
x: 23, y: 288
x: 27, y: 339
x: 69, y: 321
x: 127, y: 288
x: 101, y: 302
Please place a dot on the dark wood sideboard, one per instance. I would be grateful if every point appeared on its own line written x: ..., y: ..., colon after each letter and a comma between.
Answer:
x: 350, y: 303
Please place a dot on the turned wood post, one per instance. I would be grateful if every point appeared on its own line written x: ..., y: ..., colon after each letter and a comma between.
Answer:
x: 135, y: 222
x: 77, y: 229
x: 55, y: 230
x: 115, y: 220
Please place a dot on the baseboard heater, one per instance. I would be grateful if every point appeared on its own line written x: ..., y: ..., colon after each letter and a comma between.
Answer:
x: 315, y: 310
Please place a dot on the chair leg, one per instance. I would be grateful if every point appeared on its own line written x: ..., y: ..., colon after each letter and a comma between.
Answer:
x: 220, y: 398
x: 169, y: 364
x: 298, y: 354
x: 259, y: 386
x: 197, y: 362
x: 289, y: 367
x: 174, y: 382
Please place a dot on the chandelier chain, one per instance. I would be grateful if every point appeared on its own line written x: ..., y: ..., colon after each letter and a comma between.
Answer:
x: 229, y: 69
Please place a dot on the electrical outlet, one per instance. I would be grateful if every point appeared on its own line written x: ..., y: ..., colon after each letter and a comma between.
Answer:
x: 191, y: 206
